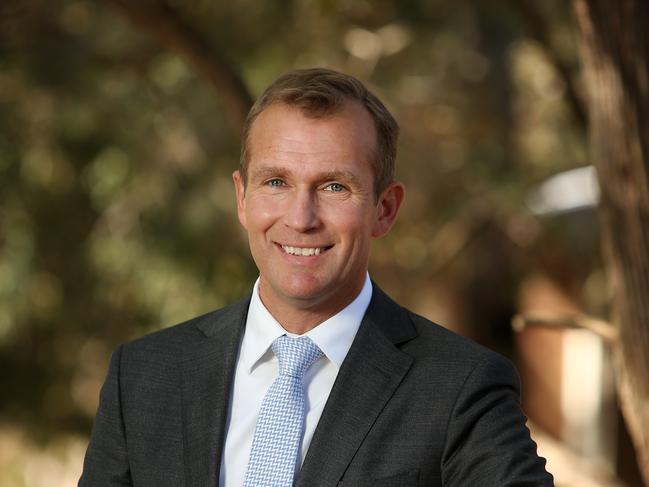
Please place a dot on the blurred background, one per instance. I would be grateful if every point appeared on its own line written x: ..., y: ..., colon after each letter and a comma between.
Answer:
x: 119, y: 131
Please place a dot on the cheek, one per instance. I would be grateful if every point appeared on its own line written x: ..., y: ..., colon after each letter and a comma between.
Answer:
x: 260, y: 213
x: 354, y: 224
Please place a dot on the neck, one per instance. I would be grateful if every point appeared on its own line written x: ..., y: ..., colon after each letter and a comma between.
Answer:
x: 300, y: 316
x: 299, y: 322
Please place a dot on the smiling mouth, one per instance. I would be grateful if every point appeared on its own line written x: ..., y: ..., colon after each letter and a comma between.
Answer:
x: 304, y: 251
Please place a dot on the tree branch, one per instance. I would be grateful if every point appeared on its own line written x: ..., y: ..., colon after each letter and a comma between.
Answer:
x: 163, y: 23
x: 540, y: 31
x: 603, y: 329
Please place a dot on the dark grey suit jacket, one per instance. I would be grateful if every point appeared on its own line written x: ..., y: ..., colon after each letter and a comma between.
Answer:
x: 413, y: 404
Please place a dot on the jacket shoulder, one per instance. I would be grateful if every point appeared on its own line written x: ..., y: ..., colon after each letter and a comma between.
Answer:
x: 449, y: 347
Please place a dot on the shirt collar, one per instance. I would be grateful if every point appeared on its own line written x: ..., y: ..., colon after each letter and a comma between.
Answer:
x: 333, y: 336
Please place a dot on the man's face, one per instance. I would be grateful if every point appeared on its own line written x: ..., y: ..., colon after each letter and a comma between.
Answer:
x: 309, y: 206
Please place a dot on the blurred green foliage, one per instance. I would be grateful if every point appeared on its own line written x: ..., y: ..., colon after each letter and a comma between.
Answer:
x: 117, y: 211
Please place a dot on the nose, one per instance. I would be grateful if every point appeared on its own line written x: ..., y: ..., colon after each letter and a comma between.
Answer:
x: 302, y: 212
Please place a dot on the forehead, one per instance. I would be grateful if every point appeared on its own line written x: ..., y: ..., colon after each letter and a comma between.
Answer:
x: 285, y: 132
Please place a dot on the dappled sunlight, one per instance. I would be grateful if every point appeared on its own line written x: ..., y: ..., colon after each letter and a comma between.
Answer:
x: 118, y: 218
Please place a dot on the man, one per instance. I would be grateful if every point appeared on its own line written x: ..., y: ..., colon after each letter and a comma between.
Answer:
x: 377, y: 395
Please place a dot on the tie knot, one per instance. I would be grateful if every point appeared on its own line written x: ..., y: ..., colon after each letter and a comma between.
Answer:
x: 295, y: 355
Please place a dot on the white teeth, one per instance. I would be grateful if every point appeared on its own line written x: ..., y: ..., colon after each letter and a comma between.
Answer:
x: 302, y: 251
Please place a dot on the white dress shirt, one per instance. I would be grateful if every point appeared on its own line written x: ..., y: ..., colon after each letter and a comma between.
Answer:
x: 257, y: 367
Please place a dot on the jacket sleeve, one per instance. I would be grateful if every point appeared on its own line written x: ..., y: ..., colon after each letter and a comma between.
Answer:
x: 106, y: 463
x: 487, y: 441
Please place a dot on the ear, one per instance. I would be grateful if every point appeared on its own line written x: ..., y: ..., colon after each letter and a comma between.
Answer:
x: 388, y: 207
x: 240, y: 194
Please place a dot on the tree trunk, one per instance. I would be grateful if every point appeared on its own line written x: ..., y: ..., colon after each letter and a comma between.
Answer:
x: 615, y: 53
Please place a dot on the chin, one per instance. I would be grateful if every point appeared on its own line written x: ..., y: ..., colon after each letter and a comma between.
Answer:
x: 304, y: 290
x: 303, y: 293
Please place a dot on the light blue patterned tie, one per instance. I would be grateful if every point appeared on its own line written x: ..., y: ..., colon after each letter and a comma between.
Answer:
x: 280, y: 425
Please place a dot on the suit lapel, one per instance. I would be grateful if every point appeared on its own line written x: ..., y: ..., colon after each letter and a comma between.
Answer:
x: 207, y: 370
x: 367, y: 379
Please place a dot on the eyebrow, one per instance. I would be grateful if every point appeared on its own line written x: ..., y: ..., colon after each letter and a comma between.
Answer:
x: 340, y: 175
x: 276, y: 171
x: 268, y: 171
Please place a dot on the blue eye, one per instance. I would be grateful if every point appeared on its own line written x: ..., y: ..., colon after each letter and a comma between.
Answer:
x: 275, y: 183
x: 335, y: 187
